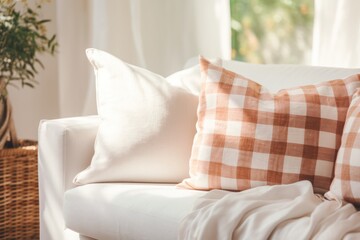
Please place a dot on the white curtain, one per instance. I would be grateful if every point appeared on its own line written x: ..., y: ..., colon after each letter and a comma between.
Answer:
x: 337, y: 33
x: 159, y: 35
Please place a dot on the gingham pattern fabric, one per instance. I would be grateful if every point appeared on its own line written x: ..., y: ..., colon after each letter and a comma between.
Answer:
x: 248, y: 137
x: 346, y: 182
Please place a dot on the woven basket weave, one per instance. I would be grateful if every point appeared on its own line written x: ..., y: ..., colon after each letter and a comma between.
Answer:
x: 19, y: 201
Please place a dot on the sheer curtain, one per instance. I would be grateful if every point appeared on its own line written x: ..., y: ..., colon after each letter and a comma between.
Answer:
x: 158, y: 35
x: 336, y: 33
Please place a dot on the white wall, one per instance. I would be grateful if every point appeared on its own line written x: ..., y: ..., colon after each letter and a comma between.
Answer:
x: 32, y: 105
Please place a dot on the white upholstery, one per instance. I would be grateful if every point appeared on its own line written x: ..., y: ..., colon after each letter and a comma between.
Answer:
x: 275, y: 76
x: 128, y: 210
x: 66, y: 148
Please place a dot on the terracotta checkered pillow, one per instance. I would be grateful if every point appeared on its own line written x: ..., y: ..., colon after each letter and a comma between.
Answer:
x: 346, y: 183
x: 247, y: 136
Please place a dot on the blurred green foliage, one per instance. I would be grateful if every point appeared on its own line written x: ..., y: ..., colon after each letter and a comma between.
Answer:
x: 272, y: 31
x: 23, y: 36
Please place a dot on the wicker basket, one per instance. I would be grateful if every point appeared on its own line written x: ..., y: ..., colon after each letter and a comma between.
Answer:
x: 19, y: 201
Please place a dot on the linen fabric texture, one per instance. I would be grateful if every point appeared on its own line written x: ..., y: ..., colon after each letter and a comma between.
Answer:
x: 289, y: 211
x: 248, y: 136
x: 346, y: 182
x: 147, y: 125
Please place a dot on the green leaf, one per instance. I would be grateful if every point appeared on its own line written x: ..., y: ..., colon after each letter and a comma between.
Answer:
x: 28, y: 84
x: 22, y: 37
x: 43, y: 21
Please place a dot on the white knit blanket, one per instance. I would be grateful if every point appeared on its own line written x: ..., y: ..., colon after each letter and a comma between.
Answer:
x: 271, y: 212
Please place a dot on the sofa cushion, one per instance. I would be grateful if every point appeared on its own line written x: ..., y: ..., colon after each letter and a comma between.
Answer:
x: 249, y: 137
x: 346, y: 183
x: 146, y: 128
x: 128, y: 211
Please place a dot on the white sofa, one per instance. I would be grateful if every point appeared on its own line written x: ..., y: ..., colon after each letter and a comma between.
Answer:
x: 127, y: 210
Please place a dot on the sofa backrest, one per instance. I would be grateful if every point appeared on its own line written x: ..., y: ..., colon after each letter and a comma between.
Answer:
x: 280, y: 76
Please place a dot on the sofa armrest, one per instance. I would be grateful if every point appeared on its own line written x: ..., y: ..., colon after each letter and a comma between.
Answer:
x: 66, y: 147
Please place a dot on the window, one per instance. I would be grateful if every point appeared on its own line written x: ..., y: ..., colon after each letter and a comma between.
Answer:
x: 272, y: 31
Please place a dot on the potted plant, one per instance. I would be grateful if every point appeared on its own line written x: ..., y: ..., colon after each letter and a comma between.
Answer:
x: 22, y: 37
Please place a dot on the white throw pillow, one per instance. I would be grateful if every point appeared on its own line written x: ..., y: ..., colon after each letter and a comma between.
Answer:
x: 147, y: 125
x: 189, y: 79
